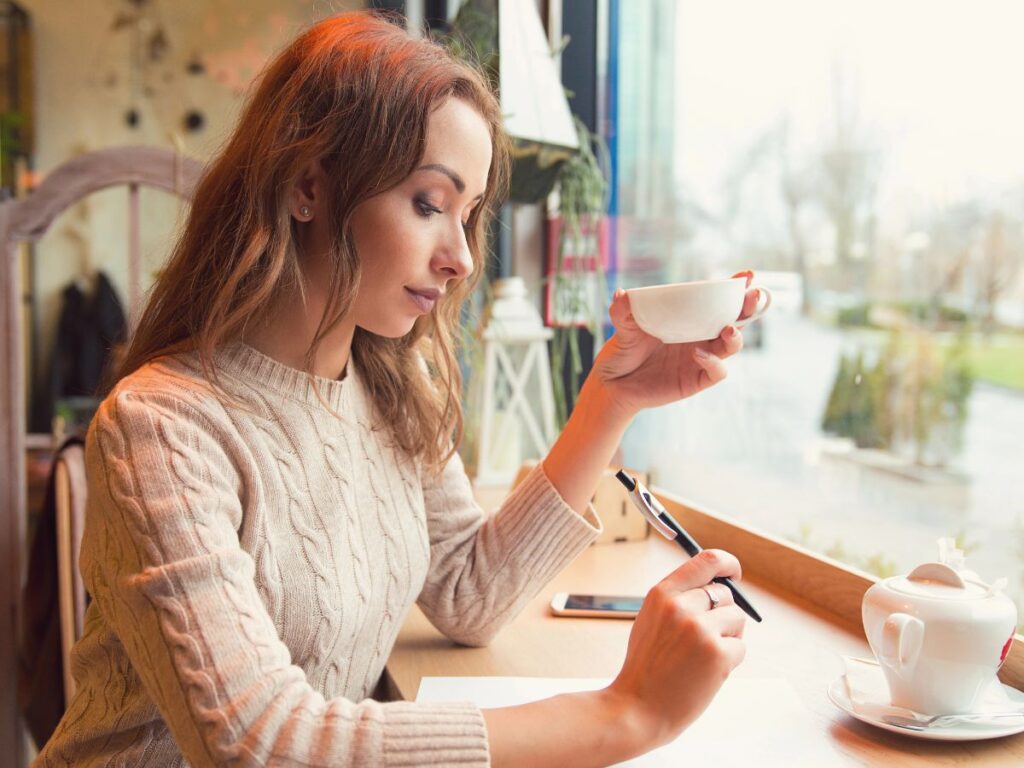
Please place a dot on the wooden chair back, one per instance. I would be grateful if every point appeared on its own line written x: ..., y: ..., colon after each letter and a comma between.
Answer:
x: 69, y: 490
x: 28, y: 220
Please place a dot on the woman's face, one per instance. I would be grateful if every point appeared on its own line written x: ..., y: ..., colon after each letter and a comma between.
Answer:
x: 411, y: 240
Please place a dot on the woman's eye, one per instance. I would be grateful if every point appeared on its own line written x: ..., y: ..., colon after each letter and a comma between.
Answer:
x: 426, y: 209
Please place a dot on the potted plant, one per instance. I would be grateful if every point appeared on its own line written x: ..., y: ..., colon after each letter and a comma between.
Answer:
x: 577, y: 288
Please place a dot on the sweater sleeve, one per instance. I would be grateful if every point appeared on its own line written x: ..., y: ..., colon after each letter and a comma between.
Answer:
x: 175, y: 586
x: 483, y: 570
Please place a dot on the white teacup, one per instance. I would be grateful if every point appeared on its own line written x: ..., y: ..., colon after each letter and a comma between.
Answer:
x: 697, y: 311
x: 939, y: 636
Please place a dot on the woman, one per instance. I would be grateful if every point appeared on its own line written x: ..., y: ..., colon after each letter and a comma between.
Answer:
x: 273, y: 482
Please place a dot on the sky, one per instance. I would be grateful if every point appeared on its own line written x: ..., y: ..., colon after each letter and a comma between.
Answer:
x: 939, y: 85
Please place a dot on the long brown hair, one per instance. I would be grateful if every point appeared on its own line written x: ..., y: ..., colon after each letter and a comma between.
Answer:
x: 354, y: 91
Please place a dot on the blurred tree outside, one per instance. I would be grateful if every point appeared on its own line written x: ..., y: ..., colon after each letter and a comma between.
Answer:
x: 813, y: 209
x: 857, y: 405
x: 1000, y: 259
x: 849, y: 170
x: 810, y: 211
x: 911, y: 400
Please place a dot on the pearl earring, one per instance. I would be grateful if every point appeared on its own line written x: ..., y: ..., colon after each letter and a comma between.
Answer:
x: 305, y: 212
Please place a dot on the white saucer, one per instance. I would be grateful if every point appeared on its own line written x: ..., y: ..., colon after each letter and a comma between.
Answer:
x: 955, y: 732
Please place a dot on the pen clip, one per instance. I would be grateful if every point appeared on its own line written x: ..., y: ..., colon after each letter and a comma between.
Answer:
x: 643, y: 501
x: 652, y: 516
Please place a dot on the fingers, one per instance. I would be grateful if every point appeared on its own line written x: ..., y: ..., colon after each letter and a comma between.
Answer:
x: 713, y: 368
x: 722, y: 594
x: 728, y: 343
x: 727, y: 621
x: 619, y: 311
x: 734, y: 650
x: 696, y: 600
x: 700, y: 570
x: 700, y: 598
x: 747, y: 273
x: 710, y: 357
x: 750, y: 299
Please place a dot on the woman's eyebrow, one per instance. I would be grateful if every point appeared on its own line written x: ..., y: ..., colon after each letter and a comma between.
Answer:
x: 460, y: 185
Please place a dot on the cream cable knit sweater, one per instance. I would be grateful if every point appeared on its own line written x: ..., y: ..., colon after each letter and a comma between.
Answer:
x: 251, y: 565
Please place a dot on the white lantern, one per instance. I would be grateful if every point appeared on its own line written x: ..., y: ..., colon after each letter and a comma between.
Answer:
x: 517, y: 419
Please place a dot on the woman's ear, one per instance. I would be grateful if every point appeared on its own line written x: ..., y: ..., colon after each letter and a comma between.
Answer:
x: 308, y: 192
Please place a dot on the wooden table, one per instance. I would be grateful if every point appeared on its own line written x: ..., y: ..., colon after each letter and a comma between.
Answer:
x: 797, y: 641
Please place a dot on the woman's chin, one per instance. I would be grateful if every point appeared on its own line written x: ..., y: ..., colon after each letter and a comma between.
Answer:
x: 391, y: 330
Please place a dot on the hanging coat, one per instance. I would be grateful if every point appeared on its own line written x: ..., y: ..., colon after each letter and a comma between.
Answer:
x: 88, y: 329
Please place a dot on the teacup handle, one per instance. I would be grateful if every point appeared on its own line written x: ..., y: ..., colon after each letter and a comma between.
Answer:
x: 758, y: 312
x: 902, y: 637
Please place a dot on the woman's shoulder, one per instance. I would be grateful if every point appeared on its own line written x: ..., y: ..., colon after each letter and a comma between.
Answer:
x: 165, y: 411
x: 161, y: 430
x: 173, y: 384
x: 171, y: 377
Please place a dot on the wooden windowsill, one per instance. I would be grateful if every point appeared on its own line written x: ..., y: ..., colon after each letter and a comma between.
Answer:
x: 820, y: 583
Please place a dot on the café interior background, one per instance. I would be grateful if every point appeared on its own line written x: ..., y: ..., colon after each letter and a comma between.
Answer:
x: 89, y: 79
x: 724, y: 152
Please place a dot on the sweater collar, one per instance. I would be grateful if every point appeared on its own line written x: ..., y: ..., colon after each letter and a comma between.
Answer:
x: 255, y: 369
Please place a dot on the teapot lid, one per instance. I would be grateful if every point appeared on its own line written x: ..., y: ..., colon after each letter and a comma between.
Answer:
x: 940, y: 582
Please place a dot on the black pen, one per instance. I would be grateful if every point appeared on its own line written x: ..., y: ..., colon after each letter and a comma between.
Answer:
x: 665, y: 524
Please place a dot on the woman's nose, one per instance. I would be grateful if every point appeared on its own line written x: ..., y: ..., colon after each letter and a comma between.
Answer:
x: 455, y: 258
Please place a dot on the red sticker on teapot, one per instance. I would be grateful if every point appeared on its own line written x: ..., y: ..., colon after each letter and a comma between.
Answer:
x: 1006, y: 649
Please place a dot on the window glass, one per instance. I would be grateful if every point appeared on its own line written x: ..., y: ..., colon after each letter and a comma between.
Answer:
x: 867, y: 160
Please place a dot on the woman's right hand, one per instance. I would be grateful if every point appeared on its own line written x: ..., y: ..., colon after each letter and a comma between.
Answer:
x: 679, y: 654
x: 680, y: 650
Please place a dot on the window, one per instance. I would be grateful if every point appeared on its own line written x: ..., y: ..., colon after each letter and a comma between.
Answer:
x: 866, y: 159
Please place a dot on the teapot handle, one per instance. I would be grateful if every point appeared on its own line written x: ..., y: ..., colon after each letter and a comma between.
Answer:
x: 902, y: 637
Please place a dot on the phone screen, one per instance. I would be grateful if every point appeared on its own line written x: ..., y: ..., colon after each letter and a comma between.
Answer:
x: 603, y: 603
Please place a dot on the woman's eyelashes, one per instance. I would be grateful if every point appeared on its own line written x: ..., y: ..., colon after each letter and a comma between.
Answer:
x: 427, y: 209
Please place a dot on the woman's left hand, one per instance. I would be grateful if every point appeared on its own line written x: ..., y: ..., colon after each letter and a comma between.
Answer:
x: 639, y: 371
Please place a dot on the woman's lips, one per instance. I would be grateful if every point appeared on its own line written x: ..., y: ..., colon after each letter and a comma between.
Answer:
x: 424, y: 300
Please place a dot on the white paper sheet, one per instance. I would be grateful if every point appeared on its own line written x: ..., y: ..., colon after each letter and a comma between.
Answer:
x: 752, y: 721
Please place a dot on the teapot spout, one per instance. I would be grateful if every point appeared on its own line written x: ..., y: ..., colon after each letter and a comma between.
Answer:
x: 997, y: 586
x: 950, y: 554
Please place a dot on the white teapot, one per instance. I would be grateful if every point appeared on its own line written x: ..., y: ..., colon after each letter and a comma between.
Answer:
x: 940, y: 635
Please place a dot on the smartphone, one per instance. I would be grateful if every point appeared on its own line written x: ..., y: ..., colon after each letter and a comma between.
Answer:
x: 603, y: 606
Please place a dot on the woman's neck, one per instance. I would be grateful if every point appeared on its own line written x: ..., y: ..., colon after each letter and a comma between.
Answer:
x: 286, y: 332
